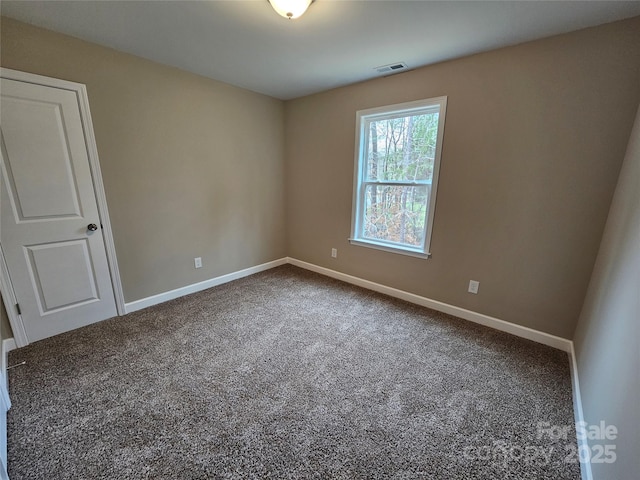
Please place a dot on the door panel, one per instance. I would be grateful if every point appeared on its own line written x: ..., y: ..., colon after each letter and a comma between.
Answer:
x: 58, y: 267
x: 25, y: 121
x: 71, y: 260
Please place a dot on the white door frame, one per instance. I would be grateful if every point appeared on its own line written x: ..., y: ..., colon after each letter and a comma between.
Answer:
x: 92, y: 152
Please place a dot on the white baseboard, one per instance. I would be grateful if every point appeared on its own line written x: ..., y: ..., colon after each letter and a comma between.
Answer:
x: 502, y: 325
x: 583, y: 443
x: 8, y: 344
x: 197, y: 287
x: 517, y: 330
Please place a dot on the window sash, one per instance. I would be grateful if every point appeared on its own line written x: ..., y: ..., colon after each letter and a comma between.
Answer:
x: 361, y: 182
x: 361, y: 213
x: 400, y: 113
x: 365, y: 132
x: 396, y: 183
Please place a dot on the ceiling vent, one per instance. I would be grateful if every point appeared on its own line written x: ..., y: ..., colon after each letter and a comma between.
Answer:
x: 392, y: 68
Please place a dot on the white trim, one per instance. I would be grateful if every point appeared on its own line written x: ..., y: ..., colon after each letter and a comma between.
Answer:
x: 583, y: 443
x: 363, y: 117
x: 8, y: 344
x: 9, y: 300
x: 98, y: 186
x: 379, y: 246
x: 3, y: 471
x: 94, y: 164
x: 517, y: 330
x: 197, y: 287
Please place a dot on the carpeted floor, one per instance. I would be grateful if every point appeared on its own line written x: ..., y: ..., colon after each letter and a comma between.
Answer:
x: 287, y: 374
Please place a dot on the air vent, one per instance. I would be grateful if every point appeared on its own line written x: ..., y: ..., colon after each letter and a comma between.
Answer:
x: 392, y: 68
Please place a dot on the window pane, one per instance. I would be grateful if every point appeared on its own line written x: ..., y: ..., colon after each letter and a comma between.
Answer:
x: 395, y: 214
x: 401, y: 149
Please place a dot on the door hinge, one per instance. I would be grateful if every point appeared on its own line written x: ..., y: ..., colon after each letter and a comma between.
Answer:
x: 18, y: 309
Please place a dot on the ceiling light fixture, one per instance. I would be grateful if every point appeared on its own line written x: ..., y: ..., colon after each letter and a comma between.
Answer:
x: 290, y: 8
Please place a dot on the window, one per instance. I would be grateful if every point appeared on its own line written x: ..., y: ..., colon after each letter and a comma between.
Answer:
x: 396, y: 175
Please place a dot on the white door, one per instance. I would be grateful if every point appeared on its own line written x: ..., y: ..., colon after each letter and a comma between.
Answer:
x: 50, y: 230
x: 5, y: 404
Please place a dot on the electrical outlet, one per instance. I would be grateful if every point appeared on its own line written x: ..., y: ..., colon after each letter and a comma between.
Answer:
x: 198, y: 262
x: 473, y: 286
x: 334, y: 252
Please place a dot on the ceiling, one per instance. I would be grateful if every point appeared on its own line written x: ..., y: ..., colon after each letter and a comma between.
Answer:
x: 337, y: 42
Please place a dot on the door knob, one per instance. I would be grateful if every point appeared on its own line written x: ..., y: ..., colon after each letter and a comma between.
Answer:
x: 92, y: 227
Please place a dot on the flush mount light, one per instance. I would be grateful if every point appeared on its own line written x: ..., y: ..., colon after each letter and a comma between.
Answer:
x: 290, y: 8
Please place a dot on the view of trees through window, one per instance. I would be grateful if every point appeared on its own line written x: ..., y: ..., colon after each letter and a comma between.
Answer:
x: 399, y: 164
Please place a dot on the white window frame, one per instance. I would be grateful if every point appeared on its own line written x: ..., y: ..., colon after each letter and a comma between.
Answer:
x: 363, y: 119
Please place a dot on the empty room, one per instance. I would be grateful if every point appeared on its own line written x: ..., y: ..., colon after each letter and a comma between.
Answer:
x: 341, y: 239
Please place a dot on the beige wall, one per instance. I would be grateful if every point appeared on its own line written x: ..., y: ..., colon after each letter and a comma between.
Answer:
x: 535, y: 135
x: 534, y: 138
x: 608, y: 333
x: 191, y: 166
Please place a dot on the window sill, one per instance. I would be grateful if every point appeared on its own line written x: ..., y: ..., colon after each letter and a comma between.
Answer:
x: 387, y: 248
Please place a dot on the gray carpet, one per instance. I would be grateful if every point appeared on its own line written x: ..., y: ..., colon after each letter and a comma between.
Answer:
x: 287, y: 374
